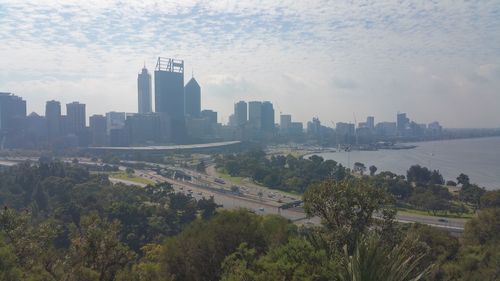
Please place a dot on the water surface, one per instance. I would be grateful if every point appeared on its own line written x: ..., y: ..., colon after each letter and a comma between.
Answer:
x: 477, y: 158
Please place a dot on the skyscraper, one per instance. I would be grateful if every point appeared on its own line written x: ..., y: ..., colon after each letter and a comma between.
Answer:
x: 285, y: 123
x: 169, y: 95
x: 97, y: 124
x: 267, y: 117
x: 240, y: 113
x: 76, y: 117
x: 12, y: 114
x: 144, y: 91
x: 255, y: 114
x: 402, y: 122
x: 53, y: 115
x: 192, y: 98
x: 370, y: 122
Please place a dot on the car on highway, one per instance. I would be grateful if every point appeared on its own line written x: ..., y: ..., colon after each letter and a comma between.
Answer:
x: 442, y: 220
x: 221, y: 181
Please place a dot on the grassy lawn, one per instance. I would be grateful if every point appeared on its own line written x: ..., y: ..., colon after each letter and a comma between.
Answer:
x: 236, y: 180
x: 121, y: 175
x: 425, y: 213
x: 242, y: 181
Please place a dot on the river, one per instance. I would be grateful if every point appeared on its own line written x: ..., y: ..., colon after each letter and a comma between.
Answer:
x: 478, y: 158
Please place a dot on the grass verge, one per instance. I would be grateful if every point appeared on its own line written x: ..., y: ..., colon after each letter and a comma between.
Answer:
x: 430, y: 214
x: 121, y: 175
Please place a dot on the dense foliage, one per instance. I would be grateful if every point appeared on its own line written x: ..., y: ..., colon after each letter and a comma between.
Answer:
x: 421, y: 188
x: 287, y: 173
x: 60, y: 222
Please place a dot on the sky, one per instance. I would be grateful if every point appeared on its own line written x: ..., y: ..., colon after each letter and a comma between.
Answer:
x: 336, y: 60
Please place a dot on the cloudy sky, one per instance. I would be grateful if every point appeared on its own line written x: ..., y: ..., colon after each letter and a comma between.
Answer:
x: 435, y: 60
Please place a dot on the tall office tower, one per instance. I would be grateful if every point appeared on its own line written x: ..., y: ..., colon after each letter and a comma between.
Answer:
x: 144, y: 91
x: 76, y: 117
x: 12, y: 114
x: 285, y: 123
x: 169, y: 95
x: 255, y: 114
x: 370, y: 122
x: 267, y: 117
x: 402, y: 122
x: 192, y: 98
x: 98, y: 129
x: 53, y: 115
x: 210, y: 115
x: 240, y: 113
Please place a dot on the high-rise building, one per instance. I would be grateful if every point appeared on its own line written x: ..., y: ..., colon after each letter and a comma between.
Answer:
x: 53, y: 116
x: 314, y: 126
x: 210, y: 115
x: 12, y: 113
x: 144, y: 91
x: 370, y: 122
x: 76, y: 117
x: 402, y: 122
x: 240, y: 113
x: 115, y: 120
x: 192, y: 98
x: 296, y: 128
x: 285, y: 123
x: 169, y: 95
x: 97, y: 124
x: 344, y: 129
x: 144, y: 128
x: 386, y: 128
x: 255, y: 114
x: 36, y: 130
x: 267, y: 117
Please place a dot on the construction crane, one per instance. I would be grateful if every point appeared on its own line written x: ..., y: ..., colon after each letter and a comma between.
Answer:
x: 355, y: 132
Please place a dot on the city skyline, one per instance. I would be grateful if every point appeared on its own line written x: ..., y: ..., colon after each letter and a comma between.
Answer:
x: 434, y: 61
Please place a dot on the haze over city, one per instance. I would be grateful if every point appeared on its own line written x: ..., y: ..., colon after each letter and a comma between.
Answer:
x: 435, y: 61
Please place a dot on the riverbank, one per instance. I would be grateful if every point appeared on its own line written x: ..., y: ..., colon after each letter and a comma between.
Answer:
x: 479, y: 158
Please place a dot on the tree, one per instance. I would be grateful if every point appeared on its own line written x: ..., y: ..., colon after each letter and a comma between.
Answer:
x: 96, y: 249
x: 373, y: 261
x: 436, y: 177
x: 129, y: 171
x: 418, y: 174
x: 483, y: 229
x: 373, y: 170
x: 9, y: 266
x: 451, y: 183
x: 345, y: 207
x: 296, y: 260
x: 463, y: 179
x: 471, y: 193
x: 490, y: 199
x: 198, y: 251
x: 359, y: 167
x: 200, y: 167
x: 260, y: 194
x: 479, y: 257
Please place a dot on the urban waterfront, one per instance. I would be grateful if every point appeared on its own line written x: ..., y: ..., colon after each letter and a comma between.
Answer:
x: 478, y: 158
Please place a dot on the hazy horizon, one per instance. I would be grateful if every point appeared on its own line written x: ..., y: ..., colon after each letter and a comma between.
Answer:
x: 434, y: 61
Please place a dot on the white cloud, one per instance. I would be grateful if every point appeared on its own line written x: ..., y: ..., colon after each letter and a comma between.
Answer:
x: 338, y: 57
